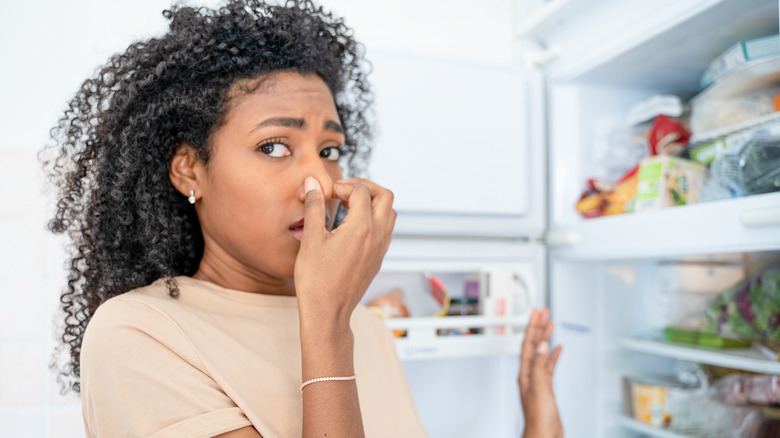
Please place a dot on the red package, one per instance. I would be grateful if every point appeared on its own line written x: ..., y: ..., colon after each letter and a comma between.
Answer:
x: 667, y: 137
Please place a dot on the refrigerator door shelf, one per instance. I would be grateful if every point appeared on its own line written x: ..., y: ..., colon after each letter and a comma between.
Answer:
x: 747, y: 359
x: 421, y: 341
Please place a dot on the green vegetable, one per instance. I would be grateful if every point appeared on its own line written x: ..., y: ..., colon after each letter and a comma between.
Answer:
x: 749, y: 309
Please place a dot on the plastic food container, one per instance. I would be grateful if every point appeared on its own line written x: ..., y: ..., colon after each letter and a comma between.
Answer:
x: 661, y: 401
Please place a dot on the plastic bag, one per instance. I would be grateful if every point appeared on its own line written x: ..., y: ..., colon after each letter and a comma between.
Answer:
x: 747, y: 164
x: 749, y: 309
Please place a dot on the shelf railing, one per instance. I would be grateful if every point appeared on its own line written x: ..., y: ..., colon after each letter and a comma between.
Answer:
x: 499, y: 336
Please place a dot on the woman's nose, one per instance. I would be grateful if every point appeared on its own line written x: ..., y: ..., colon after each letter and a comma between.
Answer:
x: 316, y: 168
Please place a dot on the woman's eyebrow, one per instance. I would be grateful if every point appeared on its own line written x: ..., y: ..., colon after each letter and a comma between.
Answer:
x: 289, y: 122
x: 330, y: 125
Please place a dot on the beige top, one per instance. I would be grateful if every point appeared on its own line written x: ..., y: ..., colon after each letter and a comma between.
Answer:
x: 215, y: 360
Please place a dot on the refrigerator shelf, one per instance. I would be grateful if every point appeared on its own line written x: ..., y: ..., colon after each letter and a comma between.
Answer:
x: 747, y: 359
x: 747, y: 224
x: 421, y: 341
x: 638, y: 426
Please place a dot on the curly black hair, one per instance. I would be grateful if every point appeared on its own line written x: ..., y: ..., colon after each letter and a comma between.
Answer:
x: 113, y: 146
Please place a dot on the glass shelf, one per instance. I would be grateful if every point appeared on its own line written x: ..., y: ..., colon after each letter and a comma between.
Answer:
x: 746, y: 224
x: 747, y: 359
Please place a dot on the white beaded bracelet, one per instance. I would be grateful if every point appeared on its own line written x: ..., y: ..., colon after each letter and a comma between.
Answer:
x: 326, y: 379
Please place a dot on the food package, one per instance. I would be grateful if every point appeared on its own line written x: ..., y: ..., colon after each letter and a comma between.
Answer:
x: 744, y: 163
x: 749, y: 309
x: 740, y: 54
x: 667, y: 136
x: 708, y: 114
x: 502, y: 293
x: 748, y: 389
x: 390, y: 305
x: 662, y: 401
x: 667, y: 181
x: 603, y: 199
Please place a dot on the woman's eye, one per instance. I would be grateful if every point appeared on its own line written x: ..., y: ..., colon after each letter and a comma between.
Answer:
x: 332, y: 153
x: 275, y: 150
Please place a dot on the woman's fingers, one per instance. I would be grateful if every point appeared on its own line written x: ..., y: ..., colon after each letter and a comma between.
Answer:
x: 356, y: 198
x: 314, y: 209
x: 528, y: 350
x: 377, y: 204
x: 381, y: 198
x: 553, y: 360
x: 536, y: 341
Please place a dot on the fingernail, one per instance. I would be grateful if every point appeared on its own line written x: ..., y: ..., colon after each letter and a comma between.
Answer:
x: 543, y: 348
x: 309, y: 184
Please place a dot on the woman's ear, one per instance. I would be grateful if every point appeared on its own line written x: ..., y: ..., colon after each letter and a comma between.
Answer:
x: 184, y: 171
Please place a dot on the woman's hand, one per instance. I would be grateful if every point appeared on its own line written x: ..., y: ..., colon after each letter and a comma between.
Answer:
x: 537, y: 365
x: 334, y: 268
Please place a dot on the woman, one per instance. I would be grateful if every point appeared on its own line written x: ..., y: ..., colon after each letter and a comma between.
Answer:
x: 210, y: 293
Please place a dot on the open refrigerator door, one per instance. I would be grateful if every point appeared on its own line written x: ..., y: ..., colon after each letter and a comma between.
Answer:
x: 632, y: 285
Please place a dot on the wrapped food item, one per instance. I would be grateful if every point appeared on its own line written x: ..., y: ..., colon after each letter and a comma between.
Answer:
x: 745, y: 163
x: 668, y: 181
x: 390, y: 305
x: 748, y: 389
x: 603, y: 199
x: 760, y: 164
x: 708, y: 114
x: 439, y: 293
x: 749, y: 309
x: 667, y: 136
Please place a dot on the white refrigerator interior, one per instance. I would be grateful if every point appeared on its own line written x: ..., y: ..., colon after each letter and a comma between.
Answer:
x: 496, y: 185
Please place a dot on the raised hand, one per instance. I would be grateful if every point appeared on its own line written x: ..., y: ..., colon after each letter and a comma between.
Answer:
x: 537, y: 365
x: 334, y: 268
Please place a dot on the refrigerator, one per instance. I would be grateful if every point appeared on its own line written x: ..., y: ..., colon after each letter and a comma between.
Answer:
x: 487, y: 163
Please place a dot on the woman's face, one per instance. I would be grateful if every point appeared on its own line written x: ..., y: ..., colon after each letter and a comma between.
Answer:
x: 251, y: 199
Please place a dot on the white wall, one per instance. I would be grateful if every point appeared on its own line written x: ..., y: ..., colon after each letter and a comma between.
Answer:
x: 47, y: 48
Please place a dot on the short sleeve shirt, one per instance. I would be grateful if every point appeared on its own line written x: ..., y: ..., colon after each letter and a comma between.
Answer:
x: 213, y: 360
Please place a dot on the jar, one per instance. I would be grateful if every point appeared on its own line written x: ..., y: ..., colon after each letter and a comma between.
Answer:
x: 770, y: 423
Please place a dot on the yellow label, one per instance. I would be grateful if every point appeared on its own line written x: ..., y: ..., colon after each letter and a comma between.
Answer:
x: 649, y: 403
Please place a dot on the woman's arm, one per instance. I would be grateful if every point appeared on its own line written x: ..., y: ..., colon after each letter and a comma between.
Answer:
x: 332, y: 272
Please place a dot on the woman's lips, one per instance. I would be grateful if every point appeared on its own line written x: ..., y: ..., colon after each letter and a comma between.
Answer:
x: 296, y: 229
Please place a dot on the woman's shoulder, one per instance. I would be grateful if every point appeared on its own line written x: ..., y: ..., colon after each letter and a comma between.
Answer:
x: 140, y: 317
x: 144, y: 299
x: 147, y: 309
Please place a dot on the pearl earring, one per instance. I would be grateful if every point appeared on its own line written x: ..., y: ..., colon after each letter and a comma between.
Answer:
x: 192, y: 197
